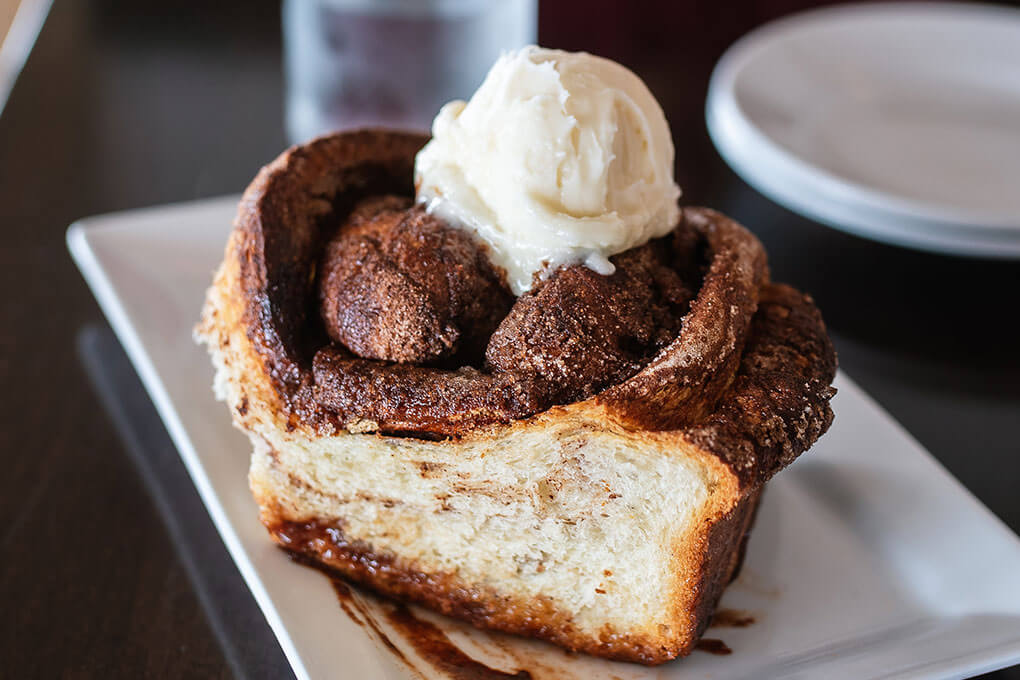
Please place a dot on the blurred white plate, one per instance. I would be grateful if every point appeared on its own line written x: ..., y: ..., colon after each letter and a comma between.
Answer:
x: 896, y: 122
x: 868, y: 559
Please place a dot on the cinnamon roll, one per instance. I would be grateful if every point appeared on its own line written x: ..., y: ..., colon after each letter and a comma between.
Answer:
x: 580, y: 464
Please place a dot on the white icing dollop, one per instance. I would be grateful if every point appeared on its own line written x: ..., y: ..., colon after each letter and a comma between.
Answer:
x: 559, y: 157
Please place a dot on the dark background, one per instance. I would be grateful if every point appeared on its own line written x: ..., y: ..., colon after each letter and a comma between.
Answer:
x: 109, y: 565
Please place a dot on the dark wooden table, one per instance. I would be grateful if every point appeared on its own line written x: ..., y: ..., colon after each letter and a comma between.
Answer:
x: 109, y: 565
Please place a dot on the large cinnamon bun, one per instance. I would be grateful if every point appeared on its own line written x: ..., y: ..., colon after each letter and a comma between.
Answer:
x: 580, y: 464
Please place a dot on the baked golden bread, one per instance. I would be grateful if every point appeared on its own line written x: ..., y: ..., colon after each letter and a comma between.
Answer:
x: 594, y: 491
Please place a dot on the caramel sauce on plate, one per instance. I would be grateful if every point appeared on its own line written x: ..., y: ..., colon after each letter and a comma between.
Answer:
x: 434, y: 647
x: 713, y: 646
x: 428, y: 641
x: 731, y: 618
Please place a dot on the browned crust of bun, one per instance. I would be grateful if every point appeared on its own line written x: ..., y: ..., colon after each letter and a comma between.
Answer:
x: 458, y: 401
x: 778, y: 403
x: 724, y: 545
x: 287, y: 214
x: 684, y: 382
x: 398, y: 284
x: 714, y: 565
x: 282, y: 220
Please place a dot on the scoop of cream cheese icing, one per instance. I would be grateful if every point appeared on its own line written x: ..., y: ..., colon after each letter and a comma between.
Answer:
x: 558, y: 158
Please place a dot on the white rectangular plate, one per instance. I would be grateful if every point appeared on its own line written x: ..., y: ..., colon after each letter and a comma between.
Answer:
x: 868, y: 559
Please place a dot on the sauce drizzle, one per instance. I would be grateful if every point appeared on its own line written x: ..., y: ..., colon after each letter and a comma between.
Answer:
x: 430, y: 643
x: 731, y: 618
x: 713, y: 646
x: 433, y: 645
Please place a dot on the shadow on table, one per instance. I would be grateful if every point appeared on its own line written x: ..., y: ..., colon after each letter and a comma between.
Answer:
x: 247, y: 642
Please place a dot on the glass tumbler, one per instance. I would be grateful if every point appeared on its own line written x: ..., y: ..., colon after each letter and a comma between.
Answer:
x: 391, y: 63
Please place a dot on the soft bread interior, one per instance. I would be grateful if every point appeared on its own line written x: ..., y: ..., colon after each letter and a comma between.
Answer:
x: 587, y: 518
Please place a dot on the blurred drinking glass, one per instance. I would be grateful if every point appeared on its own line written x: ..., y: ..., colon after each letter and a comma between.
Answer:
x: 391, y: 63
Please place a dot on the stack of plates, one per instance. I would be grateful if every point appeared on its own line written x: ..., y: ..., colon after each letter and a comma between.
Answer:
x: 896, y: 122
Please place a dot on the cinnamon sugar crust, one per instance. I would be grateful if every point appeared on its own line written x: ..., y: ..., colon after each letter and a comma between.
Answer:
x: 578, y: 332
x: 283, y: 221
x: 576, y: 335
x: 397, y: 284
x: 778, y: 403
x: 419, y: 401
